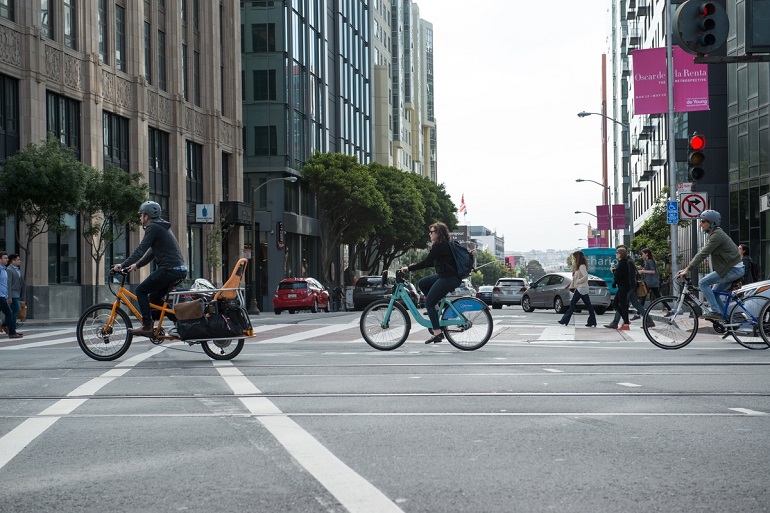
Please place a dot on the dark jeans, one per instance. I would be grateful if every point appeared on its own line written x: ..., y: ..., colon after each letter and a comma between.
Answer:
x: 10, y: 317
x: 631, y: 299
x: 435, y: 289
x: 577, y: 296
x: 15, y: 309
x: 621, y: 305
x: 154, y: 289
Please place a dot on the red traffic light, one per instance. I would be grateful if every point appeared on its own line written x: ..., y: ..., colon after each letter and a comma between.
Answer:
x: 706, y: 9
x: 697, y: 142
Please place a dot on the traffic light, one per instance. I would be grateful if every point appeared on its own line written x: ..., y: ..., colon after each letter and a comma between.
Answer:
x: 696, y: 157
x: 700, y: 27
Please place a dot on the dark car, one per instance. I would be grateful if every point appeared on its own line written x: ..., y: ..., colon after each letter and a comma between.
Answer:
x: 552, y: 291
x: 369, y: 289
x: 485, y: 294
x: 295, y: 294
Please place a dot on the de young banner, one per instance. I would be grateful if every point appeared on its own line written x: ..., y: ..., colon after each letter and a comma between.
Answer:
x: 691, y: 86
x: 610, y: 217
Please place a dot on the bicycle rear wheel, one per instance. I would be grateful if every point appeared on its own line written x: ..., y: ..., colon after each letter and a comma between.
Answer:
x: 670, y: 331
x: 480, y: 324
x: 222, y: 349
x: 385, y: 337
x: 99, y: 340
x: 745, y: 322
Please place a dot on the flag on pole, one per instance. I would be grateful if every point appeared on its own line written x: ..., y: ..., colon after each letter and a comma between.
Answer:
x: 463, y: 208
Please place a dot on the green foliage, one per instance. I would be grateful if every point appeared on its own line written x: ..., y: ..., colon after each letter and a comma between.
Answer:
x: 40, y: 185
x: 489, y: 269
x: 535, y: 270
x: 350, y: 204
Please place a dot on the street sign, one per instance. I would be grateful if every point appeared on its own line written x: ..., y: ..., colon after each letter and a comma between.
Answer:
x: 204, y: 213
x: 764, y: 202
x: 684, y: 187
x: 693, y: 203
x: 672, y: 212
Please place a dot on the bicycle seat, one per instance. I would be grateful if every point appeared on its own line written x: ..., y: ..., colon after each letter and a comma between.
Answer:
x: 233, y: 282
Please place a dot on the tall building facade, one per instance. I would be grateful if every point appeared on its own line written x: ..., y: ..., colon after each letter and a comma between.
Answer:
x: 405, y: 123
x: 307, y: 87
x: 149, y: 86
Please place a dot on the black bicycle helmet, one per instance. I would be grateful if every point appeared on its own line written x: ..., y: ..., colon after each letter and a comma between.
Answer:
x: 712, y: 216
x: 150, y: 208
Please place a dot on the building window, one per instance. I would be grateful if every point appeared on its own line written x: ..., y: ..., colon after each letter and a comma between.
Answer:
x: 147, y: 53
x: 225, y: 176
x: 115, y: 133
x: 70, y: 24
x: 264, y: 85
x: 9, y: 117
x: 265, y: 140
x: 162, y: 5
x: 197, y: 78
x: 263, y: 37
x: 46, y: 18
x: 162, y: 60
x: 63, y: 121
x: 120, y: 38
x: 63, y: 255
x: 185, y: 86
x: 196, y: 15
x: 183, y: 8
x: 194, y: 173
x: 6, y: 9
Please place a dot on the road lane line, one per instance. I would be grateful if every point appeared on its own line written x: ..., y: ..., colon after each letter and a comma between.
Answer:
x: 631, y: 385
x: 553, y: 370
x: 354, y: 493
x: 297, y: 337
x: 13, y: 442
x: 747, y: 411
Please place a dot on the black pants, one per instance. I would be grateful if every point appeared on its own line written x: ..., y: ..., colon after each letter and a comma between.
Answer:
x: 154, y: 289
x: 621, y: 304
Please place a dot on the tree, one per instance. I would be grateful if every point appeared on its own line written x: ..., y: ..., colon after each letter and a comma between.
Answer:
x: 654, y: 234
x: 40, y: 185
x: 350, y: 204
x: 108, y: 209
x: 489, y: 269
x: 535, y: 270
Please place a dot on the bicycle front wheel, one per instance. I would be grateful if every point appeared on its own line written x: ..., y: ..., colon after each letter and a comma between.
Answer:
x: 479, y: 328
x: 100, y: 339
x: 380, y: 335
x: 669, y: 329
x: 746, y: 324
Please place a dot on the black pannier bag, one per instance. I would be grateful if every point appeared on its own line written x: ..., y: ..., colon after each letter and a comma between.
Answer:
x: 224, y: 319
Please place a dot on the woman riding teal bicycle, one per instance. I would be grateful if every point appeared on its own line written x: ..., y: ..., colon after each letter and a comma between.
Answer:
x: 436, y: 286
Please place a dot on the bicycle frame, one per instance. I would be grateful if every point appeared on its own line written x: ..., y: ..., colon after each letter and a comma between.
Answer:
x: 458, y: 319
x: 729, y: 296
x: 124, y: 296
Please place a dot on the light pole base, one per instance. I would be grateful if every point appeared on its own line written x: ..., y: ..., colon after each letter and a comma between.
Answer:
x: 253, y: 308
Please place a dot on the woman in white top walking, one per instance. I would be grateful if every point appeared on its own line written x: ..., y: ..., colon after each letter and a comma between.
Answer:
x: 579, y: 289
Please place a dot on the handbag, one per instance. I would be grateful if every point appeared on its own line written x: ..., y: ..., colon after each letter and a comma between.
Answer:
x: 22, y: 315
x: 641, y: 286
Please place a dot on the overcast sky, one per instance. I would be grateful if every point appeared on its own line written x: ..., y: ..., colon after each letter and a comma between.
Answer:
x: 510, y: 78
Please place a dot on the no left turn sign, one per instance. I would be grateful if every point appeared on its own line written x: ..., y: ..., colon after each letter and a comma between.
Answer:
x: 692, y: 204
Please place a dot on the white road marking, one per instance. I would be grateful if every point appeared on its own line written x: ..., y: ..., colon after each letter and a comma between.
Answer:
x: 355, y: 493
x: 748, y: 412
x: 17, y: 439
x: 553, y: 370
x: 298, y: 337
x: 631, y: 385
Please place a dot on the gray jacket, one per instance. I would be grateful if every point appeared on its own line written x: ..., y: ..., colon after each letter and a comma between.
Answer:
x: 15, y: 282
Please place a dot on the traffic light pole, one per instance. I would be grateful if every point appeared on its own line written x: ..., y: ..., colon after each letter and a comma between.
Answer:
x: 672, y: 186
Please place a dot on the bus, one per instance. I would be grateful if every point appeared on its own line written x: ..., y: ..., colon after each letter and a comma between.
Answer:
x: 600, y: 260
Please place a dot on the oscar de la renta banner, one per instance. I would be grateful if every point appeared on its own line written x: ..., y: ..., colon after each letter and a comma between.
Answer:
x: 691, y: 85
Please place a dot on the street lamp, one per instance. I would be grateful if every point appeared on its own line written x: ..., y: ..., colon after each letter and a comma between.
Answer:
x: 584, y: 114
x: 578, y: 180
x: 584, y: 224
x: 253, y: 307
x: 584, y: 212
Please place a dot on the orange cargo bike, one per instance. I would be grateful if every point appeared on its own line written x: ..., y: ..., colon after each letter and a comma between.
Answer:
x: 214, y: 318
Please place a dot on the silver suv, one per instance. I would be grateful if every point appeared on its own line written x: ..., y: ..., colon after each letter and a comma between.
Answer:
x: 508, y: 291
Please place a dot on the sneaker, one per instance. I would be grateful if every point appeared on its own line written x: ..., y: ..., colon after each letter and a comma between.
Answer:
x: 635, y: 317
x: 15, y: 335
x: 624, y: 327
x: 712, y: 316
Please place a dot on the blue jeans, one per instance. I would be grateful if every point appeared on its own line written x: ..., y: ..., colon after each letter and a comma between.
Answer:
x: 435, y: 289
x: 576, y: 296
x: 712, y: 281
x: 154, y: 289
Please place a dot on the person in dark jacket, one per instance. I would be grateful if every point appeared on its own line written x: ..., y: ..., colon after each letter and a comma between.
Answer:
x: 748, y: 271
x: 437, y: 286
x: 624, y: 277
x: 159, y: 244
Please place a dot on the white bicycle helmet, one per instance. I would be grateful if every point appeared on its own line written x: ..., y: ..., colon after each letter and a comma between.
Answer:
x: 712, y: 216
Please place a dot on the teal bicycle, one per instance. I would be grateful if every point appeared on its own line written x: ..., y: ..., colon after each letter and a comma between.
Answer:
x: 385, y: 324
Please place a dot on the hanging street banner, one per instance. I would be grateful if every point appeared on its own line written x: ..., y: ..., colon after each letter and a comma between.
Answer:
x: 618, y: 216
x: 691, y: 85
x: 603, y: 217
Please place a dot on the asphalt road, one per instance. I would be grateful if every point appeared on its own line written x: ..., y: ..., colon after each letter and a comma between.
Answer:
x: 309, y: 418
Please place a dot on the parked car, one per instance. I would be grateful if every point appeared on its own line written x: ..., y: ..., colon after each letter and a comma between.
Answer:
x: 465, y: 289
x: 485, y: 293
x: 295, y: 294
x: 552, y: 291
x: 369, y: 289
x: 508, y: 291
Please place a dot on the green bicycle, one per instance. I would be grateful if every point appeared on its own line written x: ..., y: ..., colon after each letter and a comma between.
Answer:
x: 385, y: 324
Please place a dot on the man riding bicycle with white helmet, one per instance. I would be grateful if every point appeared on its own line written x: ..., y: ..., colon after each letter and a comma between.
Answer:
x: 725, y: 260
x: 159, y: 244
